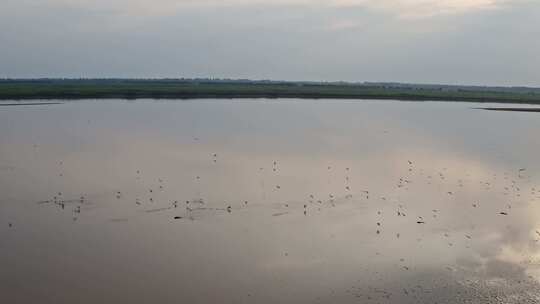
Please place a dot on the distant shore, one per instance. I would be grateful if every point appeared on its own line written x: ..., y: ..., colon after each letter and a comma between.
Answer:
x: 48, y: 89
x: 536, y: 110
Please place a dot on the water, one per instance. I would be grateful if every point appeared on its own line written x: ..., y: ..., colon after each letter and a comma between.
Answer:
x: 256, y: 201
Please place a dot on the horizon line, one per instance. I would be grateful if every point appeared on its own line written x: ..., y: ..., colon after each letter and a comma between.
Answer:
x: 322, y: 82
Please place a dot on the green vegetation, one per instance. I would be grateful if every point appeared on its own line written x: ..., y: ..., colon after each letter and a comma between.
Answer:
x: 186, y: 89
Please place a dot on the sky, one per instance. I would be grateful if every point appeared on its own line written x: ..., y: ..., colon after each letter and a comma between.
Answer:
x: 477, y: 42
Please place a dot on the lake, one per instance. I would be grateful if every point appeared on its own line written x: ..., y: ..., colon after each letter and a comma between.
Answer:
x: 268, y: 201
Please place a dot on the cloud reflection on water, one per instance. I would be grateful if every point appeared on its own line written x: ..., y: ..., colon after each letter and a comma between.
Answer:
x: 448, y: 241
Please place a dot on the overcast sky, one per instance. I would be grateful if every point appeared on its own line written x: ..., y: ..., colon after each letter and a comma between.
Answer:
x: 491, y: 42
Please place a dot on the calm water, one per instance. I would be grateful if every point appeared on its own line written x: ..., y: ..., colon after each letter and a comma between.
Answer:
x: 258, y: 201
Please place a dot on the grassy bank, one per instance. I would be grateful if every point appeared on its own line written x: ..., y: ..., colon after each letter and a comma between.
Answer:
x: 187, y: 89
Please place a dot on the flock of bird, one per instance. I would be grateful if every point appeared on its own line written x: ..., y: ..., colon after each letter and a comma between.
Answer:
x: 511, y: 189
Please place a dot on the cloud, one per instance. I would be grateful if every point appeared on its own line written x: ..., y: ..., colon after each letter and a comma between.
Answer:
x: 422, y: 8
x: 340, y: 25
x: 400, y: 8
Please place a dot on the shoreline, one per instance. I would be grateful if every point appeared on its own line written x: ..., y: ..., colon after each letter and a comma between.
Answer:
x: 511, y: 109
x: 182, y: 89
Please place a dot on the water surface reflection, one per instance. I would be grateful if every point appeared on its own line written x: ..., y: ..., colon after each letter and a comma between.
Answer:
x: 268, y: 201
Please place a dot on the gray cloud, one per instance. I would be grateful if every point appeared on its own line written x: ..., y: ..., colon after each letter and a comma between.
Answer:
x: 452, y: 41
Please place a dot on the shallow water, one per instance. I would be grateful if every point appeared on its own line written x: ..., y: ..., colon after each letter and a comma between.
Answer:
x: 256, y: 201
